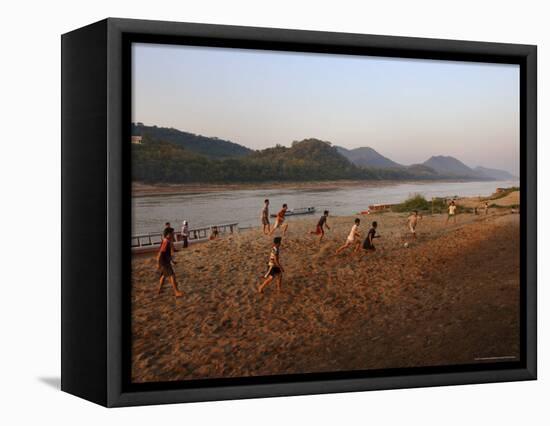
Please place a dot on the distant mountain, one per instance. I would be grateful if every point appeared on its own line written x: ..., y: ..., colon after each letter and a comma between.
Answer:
x: 308, y: 160
x: 450, y: 166
x: 208, y: 146
x: 423, y: 171
x: 495, y: 173
x: 172, y: 156
x: 367, y: 157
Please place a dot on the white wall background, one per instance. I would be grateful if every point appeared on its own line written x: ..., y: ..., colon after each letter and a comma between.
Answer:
x: 30, y: 210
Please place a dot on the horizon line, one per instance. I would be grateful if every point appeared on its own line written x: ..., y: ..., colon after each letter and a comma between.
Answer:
x: 137, y: 123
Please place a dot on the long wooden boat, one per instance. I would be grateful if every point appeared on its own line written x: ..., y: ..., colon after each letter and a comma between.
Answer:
x: 298, y: 211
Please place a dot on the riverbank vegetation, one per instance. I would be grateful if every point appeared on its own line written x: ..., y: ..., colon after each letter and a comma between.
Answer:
x: 421, y: 204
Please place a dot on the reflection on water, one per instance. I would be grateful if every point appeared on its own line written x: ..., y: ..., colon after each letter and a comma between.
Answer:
x: 243, y: 206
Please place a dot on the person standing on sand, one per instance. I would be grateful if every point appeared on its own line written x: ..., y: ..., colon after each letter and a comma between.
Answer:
x: 168, y: 227
x: 413, y: 221
x: 486, y: 208
x: 265, y: 217
x: 279, y: 221
x: 350, y: 241
x: 452, y: 212
x: 275, y: 268
x: 185, y: 234
x: 164, y: 263
x: 320, y: 225
x: 368, y: 243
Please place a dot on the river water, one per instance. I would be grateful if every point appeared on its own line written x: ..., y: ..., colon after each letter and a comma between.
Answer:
x: 149, y: 213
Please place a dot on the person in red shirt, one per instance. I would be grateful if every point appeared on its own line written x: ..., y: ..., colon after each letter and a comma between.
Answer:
x: 164, y: 262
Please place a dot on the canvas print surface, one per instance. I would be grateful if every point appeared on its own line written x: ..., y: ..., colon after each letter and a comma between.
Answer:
x: 298, y: 213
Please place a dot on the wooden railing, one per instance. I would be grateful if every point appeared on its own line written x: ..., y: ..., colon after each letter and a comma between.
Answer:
x: 198, y: 234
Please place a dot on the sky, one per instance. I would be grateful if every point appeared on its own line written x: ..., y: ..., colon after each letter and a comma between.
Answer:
x: 407, y: 110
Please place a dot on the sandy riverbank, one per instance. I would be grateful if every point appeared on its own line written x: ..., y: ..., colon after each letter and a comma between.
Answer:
x: 451, y: 297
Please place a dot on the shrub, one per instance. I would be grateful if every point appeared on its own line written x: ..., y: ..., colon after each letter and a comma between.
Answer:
x: 415, y: 202
x: 419, y: 202
x: 504, y: 193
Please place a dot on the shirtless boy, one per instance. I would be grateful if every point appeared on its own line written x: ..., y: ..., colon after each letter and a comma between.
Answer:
x: 413, y: 221
x: 265, y: 217
x: 280, y: 221
x: 320, y: 226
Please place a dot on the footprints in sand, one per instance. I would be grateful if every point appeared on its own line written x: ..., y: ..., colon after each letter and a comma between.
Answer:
x: 223, y: 328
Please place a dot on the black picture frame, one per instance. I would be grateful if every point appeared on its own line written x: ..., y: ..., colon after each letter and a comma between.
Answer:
x: 96, y: 210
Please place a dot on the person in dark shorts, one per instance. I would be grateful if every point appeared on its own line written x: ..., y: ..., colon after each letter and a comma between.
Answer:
x: 274, y: 266
x: 265, y: 217
x: 320, y: 225
x: 368, y: 243
x: 185, y: 234
x: 164, y: 262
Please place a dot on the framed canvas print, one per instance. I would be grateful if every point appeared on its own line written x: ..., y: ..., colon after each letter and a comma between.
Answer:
x: 254, y: 212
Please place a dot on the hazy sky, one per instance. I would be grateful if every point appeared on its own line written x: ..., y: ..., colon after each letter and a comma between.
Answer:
x: 408, y: 110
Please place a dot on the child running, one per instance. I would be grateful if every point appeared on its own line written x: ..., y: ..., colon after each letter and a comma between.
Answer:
x: 164, y: 262
x: 274, y: 266
x: 320, y: 225
x: 413, y: 221
x: 452, y: 212
x: 350, y: 241
x: 265, y: 217
x: 279, y: 221
x: 368, y: 243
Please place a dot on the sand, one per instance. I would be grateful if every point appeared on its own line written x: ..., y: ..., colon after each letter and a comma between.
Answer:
x: 450, y: 297
x: 511, y: 199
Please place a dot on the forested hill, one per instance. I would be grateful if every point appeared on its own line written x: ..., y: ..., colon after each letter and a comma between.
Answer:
x: 156, y: 161
x: 451, y: 166
x: 173, y: 156
x: 310, y: 159
x: 367, y: 157
x: 208, y: 146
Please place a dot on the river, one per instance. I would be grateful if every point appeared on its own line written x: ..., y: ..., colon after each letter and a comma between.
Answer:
x: 149, y: 213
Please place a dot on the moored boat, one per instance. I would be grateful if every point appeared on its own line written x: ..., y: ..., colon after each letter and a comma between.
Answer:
x: 298, y: 211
